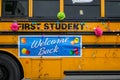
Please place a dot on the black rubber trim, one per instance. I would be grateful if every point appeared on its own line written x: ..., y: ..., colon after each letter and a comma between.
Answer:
x: 111, y: 19
x: 8, y: 46
x: 101, y: 46
x: 55, y: 33
x: 96, y: 19
x: 83, y: 46
x: 92, y: 72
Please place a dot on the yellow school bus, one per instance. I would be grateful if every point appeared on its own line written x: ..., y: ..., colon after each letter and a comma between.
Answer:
x: 37, y: 44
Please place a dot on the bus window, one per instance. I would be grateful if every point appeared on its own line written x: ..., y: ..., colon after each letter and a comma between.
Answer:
x: 46, y: 9
x: 112, y: 8
x: 74, y: 10
x: 15, y: 8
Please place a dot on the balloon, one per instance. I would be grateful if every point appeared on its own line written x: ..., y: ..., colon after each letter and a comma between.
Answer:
x: 71, y: 52
x: 61, y: 15
x: 98, y: 31
x: 28, y: 52
x: 75, y: 49
x: 72, y: 42
x: 23, y: 40
x: 14, y: 27
x: 24, y: 51
x: 77, y: 53
x: 76, y: 40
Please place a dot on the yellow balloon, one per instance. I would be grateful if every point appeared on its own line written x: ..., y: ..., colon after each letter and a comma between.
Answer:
x: 76, y: 40
x: 24, y: 51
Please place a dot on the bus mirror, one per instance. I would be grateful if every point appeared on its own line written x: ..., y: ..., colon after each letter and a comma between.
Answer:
x: 81, y: 1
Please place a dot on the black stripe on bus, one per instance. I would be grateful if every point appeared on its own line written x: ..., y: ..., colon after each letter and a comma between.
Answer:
x: 83, y: 46
x: 101, y: 46
x: 39, y: 19
x: 92, y: 72
x: 55, y: 33
x: 8, y: 46
x: 96, y: 19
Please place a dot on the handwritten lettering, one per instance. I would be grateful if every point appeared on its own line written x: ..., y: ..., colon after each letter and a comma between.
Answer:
x: 43, y: 43
x: 47, y: 41
x: 44, y: 51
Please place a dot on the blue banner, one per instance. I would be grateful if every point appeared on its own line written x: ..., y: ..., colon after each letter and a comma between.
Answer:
x: 50, y: 46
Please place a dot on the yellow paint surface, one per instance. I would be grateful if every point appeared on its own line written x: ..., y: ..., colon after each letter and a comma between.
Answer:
x: 62, y: 5
x: 92, y: 58
x: 102, y: 8
x: 88, y: 26
x: 30, y: 8
x: 96, y: 59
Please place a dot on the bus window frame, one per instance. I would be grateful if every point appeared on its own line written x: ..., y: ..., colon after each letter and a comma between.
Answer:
x: 30, y: 8
x: 14, y: 16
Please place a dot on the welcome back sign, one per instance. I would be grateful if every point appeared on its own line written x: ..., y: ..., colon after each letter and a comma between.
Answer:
x: 50, y: 46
